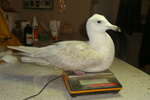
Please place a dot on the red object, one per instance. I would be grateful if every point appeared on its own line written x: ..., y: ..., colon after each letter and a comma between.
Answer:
x: 94, y: 1
x: 35, y: 34
x: 100, y: 85
x: 55, y: 38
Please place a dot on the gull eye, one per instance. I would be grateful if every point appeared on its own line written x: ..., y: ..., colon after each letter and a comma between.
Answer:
x: 98, y: 22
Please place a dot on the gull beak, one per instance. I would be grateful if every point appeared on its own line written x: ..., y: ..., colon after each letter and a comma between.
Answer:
x: 115, y: 28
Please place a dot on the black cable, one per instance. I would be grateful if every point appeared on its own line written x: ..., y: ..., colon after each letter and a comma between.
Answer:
x: 42, y: 88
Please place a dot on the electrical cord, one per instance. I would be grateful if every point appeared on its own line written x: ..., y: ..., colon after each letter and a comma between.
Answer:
x: 42, y: 88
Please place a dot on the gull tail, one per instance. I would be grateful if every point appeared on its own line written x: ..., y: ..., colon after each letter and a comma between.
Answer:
x: 26, y: 50
x: 40, y: 61
x: 32, y: 54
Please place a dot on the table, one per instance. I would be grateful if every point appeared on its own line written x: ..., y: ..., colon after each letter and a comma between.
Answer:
x: 21, y: 80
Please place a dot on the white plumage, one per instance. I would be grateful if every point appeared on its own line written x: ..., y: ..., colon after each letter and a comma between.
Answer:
x: 94, y: 55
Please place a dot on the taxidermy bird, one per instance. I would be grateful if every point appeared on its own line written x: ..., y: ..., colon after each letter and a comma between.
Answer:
x: 94, y: 55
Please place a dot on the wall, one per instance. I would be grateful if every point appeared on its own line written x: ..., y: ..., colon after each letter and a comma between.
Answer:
x: 77, y: 12
x: 109, y: 8
x: 144, y: 10
x: 145, y: 6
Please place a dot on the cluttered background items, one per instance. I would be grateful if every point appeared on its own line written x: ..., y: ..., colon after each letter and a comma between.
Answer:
x: 27, y: 32
x: 6, y: 37
x: 5, y: 5
x: 35, y: 31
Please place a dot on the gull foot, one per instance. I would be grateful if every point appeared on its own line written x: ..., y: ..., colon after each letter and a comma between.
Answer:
x: 78, y: 72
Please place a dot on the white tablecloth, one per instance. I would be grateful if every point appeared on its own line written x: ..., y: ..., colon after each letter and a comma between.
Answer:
x: 21, y: 80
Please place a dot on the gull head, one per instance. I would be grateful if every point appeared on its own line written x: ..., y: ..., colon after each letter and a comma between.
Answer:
x: 99, y: 24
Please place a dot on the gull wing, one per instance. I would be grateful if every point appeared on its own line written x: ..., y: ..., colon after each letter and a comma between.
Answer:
x: 71, y: 55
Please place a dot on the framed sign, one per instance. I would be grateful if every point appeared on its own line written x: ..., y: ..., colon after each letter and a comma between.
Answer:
x: 38, y: 4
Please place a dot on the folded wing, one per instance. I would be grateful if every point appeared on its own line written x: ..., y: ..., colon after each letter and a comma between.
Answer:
x: 68, y: 55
